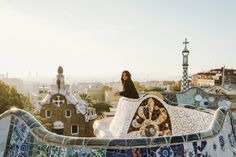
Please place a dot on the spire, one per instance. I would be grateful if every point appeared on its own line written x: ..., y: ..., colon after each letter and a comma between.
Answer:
x: 185, y: 47
x: 185, y: 53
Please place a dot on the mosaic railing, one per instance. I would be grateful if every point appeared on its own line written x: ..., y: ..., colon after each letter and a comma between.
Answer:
x: 196, y: 97
x: 22, y: 135
x: 150, y: 116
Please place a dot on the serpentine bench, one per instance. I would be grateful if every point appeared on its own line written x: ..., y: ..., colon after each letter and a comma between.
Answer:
x: 21, y: 135
x: 151, y: 117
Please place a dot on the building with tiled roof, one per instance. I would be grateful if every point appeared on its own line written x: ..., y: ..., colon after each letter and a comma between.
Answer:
x: 67, y: 114
x: 216, y: 77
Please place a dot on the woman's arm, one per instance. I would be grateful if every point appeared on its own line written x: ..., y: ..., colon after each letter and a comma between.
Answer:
x: 127, y: 89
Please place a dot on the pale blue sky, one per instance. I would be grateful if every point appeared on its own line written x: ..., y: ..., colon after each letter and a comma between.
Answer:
x: 100, y: 38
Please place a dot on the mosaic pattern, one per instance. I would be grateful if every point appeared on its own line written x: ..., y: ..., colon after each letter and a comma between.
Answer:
x: 27, y: 138
x: 198, y: 98
x: 184, y: 120
x: 4, y: 132
x: 170, y: 98
x: 208, y: 100
x: 164, y: 151
x: 85, y: 152
x: 42, y: 149
x: 21, y: 142
x: 122, y: 117
x: 185, y: 84
x: 151, y: 119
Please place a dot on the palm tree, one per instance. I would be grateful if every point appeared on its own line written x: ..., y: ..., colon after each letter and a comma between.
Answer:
x: 87, y: 98
x: 100, y: 107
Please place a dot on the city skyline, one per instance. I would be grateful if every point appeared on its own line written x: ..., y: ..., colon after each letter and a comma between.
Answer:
x: 98, y: 40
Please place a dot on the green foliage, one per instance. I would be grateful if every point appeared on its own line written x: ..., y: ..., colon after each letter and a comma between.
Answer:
x: 105, y: 88
x: 168, y: 82
x: 101, y: 107
x: 153, y: 88
x: 9, y: 97
x: 97, y: 96
x: 139, y: 86
x: 86, y: 97
x: 43, y: 121
x: 175, y: 86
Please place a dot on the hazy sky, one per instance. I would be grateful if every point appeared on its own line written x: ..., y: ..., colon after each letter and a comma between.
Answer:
x: 101, y: 38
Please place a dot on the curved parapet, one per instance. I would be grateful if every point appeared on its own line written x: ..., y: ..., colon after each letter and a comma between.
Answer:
x: 231, y: 94
x: 22, y: 135
x: 151, y: 117
x: 220, y: 89
x: 197, y: 97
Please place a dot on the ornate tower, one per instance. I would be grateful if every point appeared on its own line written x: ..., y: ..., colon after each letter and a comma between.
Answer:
x: 60, y: 79
x: 185, y: 53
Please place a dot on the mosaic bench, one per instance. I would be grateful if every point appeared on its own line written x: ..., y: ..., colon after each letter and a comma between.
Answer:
x: 23, y: 136
x: 197, y: 97
x: 150, y: 116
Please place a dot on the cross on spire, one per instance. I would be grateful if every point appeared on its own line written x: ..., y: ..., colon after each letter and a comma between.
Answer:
x: 185, y: 43
x: 58, y: 101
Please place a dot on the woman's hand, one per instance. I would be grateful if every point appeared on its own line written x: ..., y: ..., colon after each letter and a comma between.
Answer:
x: 117, y: 94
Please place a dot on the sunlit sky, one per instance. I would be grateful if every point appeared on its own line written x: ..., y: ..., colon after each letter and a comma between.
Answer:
x: 98, y: 39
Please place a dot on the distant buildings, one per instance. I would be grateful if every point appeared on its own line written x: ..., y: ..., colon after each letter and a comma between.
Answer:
x: 92, y: 89
x: 216, y: 77
x: 66, y: 114
x: 85, y: 87
x: 162, y: 84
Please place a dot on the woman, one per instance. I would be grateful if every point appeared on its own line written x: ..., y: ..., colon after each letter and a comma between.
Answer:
x: 129, y: 89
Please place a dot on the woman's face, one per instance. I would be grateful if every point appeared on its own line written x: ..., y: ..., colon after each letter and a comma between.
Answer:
x: 124, y: 76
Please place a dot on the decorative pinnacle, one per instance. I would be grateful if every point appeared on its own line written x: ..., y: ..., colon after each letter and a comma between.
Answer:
x: 185, y: 43
x: 60, y: 70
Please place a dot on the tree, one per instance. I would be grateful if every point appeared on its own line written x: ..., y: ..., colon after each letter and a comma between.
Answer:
x: 43, y: 121
x: 139, y: 86
x: 101, y: 107
x: 86, y: 97
x: 168, y: 82
x: 9, y: 97
x: 105, y: 88
x: 176, y: 86
x: 153, y: 88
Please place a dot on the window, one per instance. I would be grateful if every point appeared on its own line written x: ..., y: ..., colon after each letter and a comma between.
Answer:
x: 68, y: 113
x: 47, y: 114
x: 74, y: 129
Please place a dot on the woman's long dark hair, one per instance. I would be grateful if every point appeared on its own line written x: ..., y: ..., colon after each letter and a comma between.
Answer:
x: 127, y: 73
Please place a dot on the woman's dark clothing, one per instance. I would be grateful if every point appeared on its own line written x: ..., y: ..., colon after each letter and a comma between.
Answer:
x: 129, y: 90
